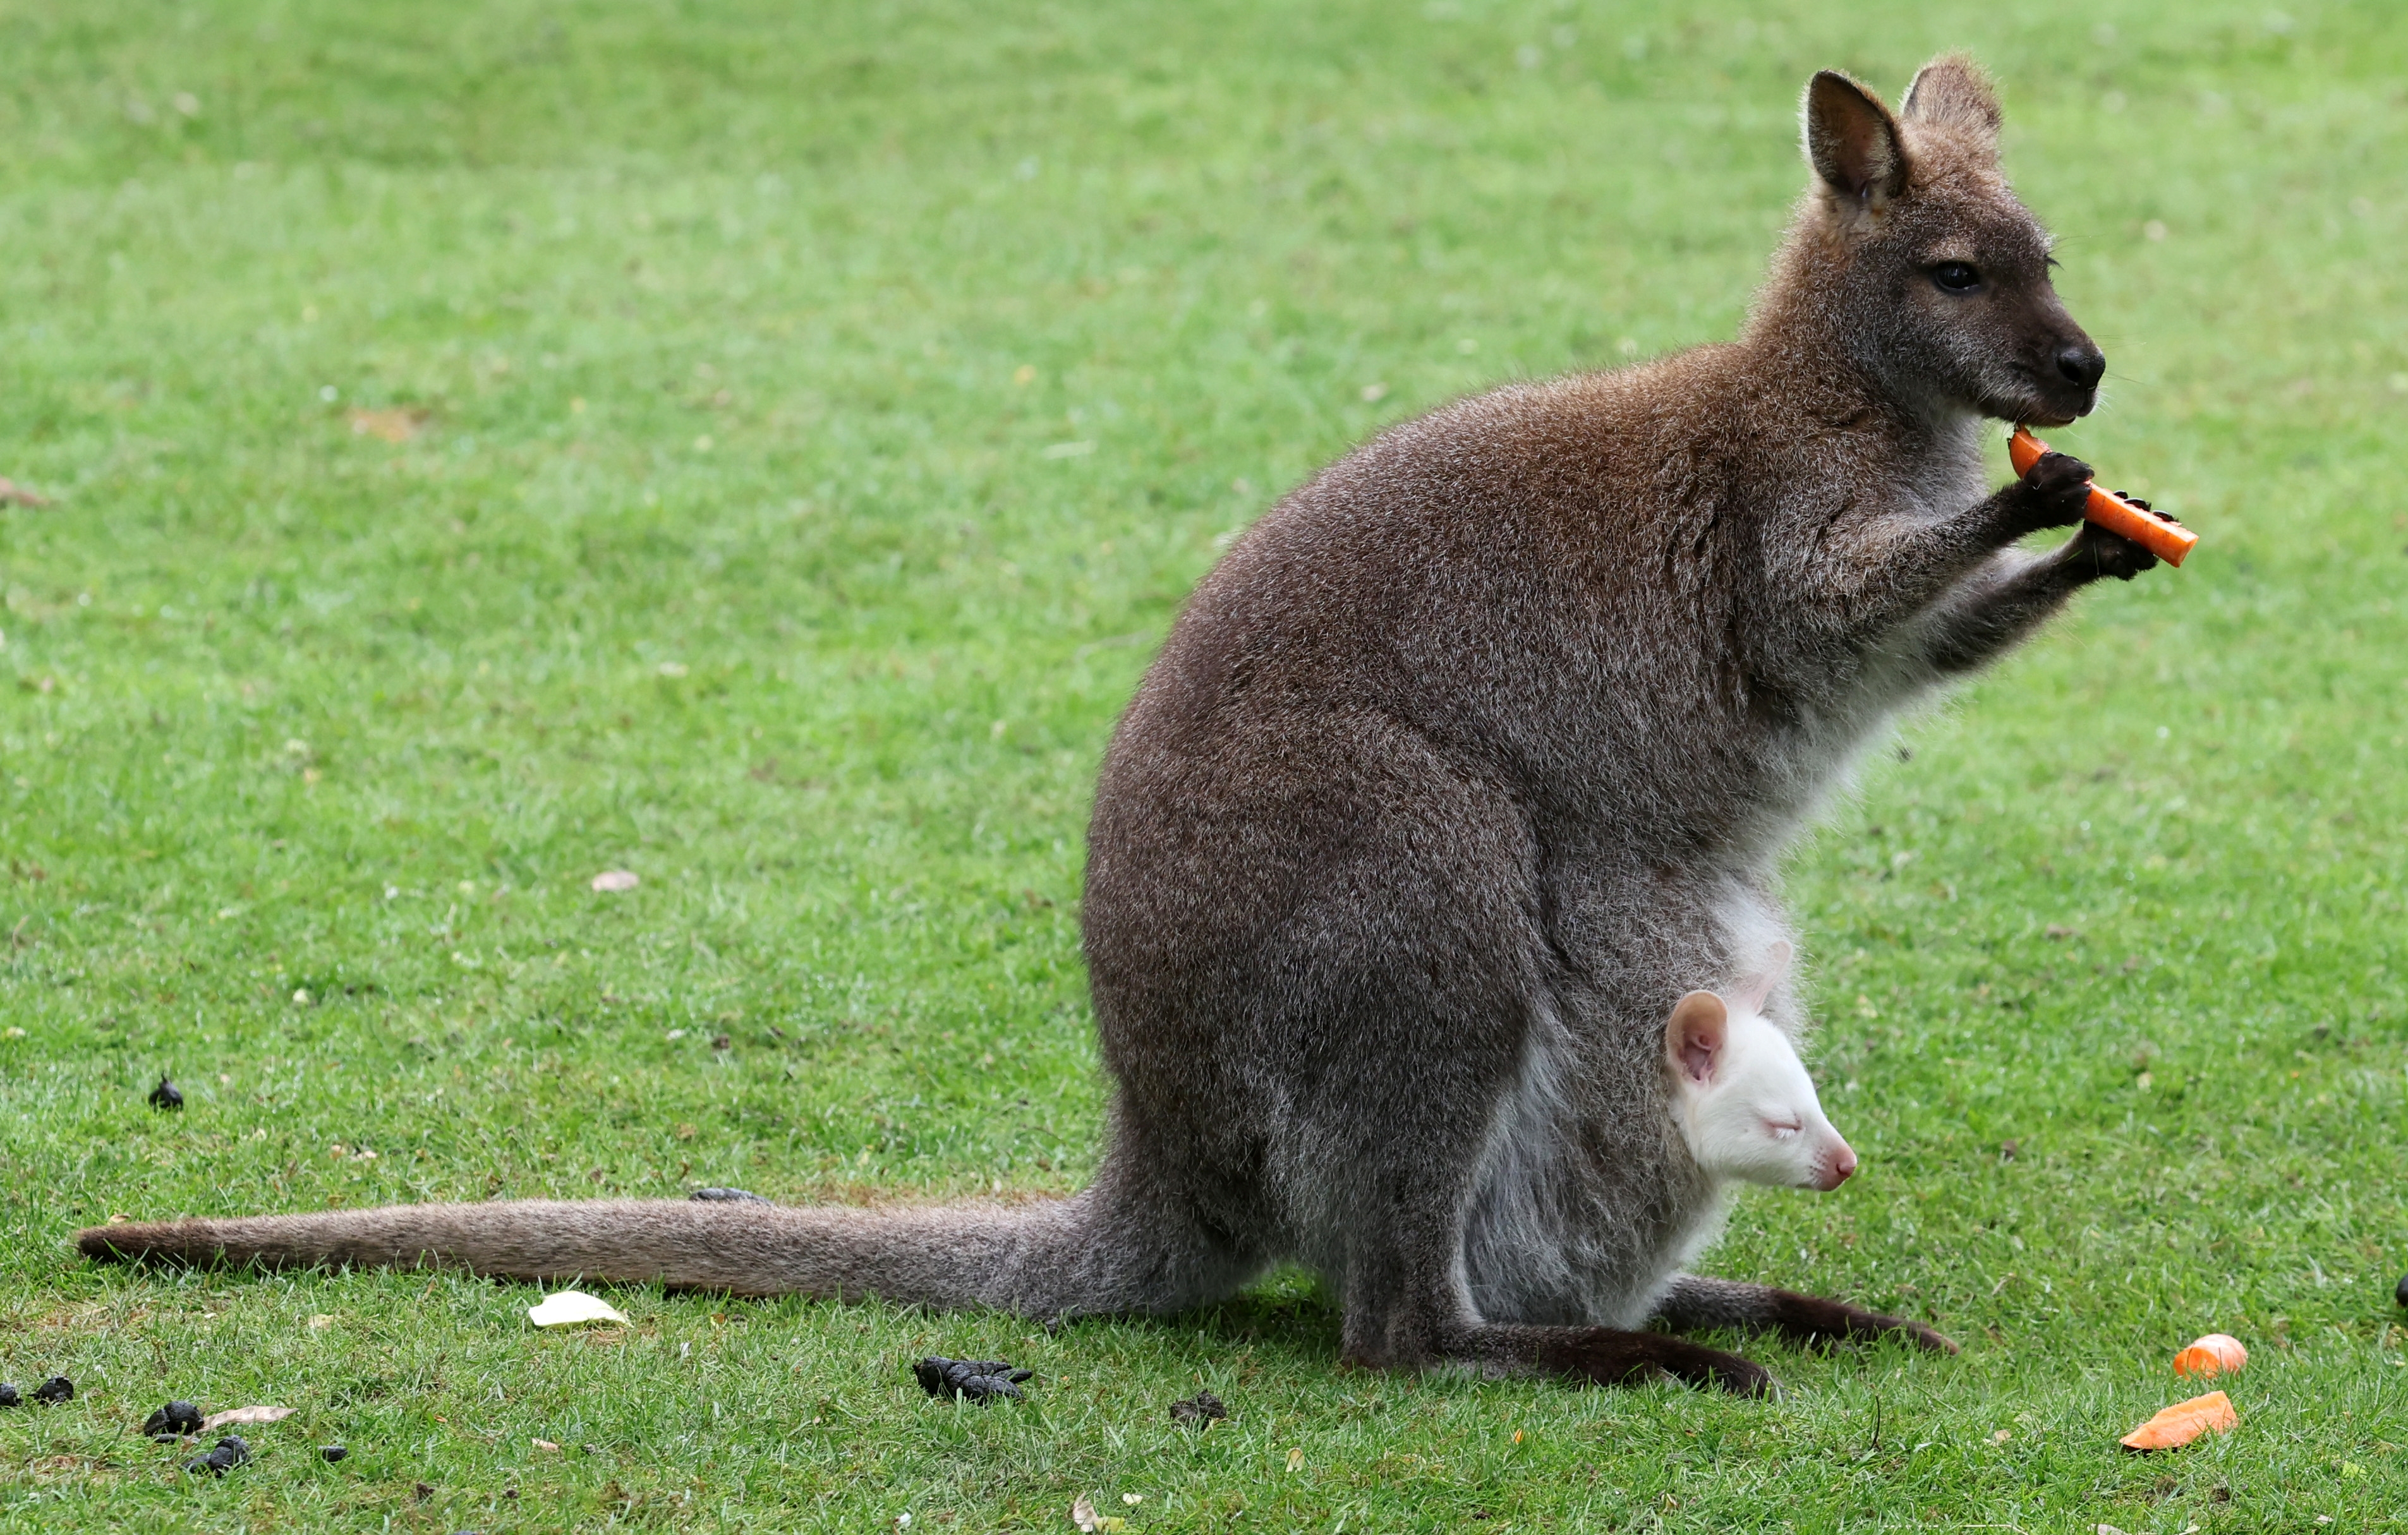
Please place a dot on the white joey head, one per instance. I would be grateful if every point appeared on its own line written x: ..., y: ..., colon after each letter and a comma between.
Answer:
x: 1740, y: 1095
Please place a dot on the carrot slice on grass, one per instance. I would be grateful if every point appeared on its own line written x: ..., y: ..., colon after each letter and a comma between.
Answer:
x: 2184, y: 1421
x: 2168, y: 541
x: 2217, y: 1354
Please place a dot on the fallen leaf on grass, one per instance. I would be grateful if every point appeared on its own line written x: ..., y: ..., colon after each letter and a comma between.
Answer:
x: 612, y: 881
x: 2184, y: 1421
x: 395, y: 425
x: 1083, y: 1515
x: 547, y: 1445
x: 566, y: 1308
x: 14, y: 495
x: 244, y: 1415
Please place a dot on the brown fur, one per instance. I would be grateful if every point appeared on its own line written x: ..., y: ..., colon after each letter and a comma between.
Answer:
x: 1471, y: 758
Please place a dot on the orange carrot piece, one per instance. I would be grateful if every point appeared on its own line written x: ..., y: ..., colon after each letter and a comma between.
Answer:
x: 2184, y: 1421
x: 2168, y: 541
x: 2216, y: 1353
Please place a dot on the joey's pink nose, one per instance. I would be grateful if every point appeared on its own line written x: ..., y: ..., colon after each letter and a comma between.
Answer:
x: 1837, y: 1169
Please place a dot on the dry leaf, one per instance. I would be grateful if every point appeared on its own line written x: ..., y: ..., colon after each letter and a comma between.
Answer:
x: 566, y: 1307
x: 1083, y: 1515
x: 14, y: 495
x: 1296, y: 1460
x: 244, y: 1415
x: 547, y: 1445
x: 395, y: 425
x: 321, y: 1323
x: 612, y: 881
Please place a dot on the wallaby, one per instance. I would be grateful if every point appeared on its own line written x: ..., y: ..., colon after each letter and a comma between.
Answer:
x: 1741, y: 1096
x: 1471, y: 759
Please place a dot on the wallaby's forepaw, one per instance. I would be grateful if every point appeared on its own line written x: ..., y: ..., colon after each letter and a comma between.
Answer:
x: 2055, y: 489
x: 2095, y: 552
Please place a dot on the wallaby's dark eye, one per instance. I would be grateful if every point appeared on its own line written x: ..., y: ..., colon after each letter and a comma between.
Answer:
x: 1956, y: 276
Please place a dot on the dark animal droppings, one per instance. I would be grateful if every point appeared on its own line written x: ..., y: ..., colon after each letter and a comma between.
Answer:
x: 8, y: 1397
x: 164, y: 1096
x: 2400, y: 1294
x: 1198, y: 1410
x: 232, y: 1451
x: 51, y: 1392
x: 172, y: 1421
x: 980, y: 1380
x: 333, y: 1453
x: 737, y: 1196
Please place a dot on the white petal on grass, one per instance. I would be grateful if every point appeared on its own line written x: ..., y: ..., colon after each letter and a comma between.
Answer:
x: 244, y: 1415
x: 566, y: 1307
x: 612, y: 881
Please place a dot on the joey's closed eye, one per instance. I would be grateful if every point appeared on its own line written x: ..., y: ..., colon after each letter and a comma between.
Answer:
x: 1783, y: 1129
x: 1956, y: 276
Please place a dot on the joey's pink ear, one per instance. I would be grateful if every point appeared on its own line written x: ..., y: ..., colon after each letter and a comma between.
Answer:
x: 1693, y: 1036
x: 1851, y: 141
x: 1758, y: 988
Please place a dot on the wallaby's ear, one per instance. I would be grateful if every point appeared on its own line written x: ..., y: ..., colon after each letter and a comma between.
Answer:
x: 1952, y: 93
x: 1758, y: 988
x: 1693, y: 1036
x: 1851, y: 141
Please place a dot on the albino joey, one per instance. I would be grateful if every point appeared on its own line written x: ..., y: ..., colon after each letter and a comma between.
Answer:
x: 1741, y: 1097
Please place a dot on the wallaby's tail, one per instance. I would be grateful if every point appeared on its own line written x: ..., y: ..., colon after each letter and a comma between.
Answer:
x: 1095, y: 1252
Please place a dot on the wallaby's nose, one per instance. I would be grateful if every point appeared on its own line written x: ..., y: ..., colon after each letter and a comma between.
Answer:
x: 2084, y: 364
x: 1839, y: 1169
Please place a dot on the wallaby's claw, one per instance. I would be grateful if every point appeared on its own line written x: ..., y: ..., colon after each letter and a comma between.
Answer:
x: 2058, y: 485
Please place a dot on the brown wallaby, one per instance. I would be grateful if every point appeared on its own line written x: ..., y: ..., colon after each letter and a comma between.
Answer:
x: 1471, y: 758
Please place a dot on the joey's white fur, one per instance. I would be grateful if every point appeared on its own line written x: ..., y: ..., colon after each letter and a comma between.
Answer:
x: 1741, y: 1097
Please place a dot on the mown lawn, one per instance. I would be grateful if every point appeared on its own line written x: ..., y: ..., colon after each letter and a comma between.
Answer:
x: 758, y: 445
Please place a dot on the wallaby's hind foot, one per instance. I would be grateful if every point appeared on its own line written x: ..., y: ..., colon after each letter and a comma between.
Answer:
x: 1591, y: 1356
x: 1586, y: 1355
x: 1609, y: 1356
x: 1696, y: 1304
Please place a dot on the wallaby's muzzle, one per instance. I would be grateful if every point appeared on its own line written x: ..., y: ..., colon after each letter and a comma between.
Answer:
x: 2062, y: 379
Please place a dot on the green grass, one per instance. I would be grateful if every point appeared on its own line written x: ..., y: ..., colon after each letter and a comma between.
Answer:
x: 729, y: 549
